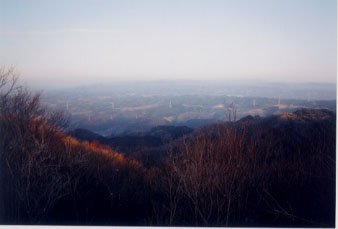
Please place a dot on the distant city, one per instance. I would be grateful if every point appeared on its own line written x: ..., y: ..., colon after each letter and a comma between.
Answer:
x: 126, y: 107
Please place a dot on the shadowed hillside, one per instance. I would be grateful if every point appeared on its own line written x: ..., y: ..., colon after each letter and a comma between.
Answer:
x: 148, y: 147
x: 274, y: 171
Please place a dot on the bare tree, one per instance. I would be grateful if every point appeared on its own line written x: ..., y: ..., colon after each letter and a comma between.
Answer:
x: 8, y: 79
x: 30, y: 180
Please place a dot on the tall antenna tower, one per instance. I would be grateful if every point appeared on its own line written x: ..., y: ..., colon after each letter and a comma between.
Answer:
x: 254, y: 102
x: 234, y: 110
x: 229, y: 111
x: 112, y: 106
x: 67, y: 106
x: 279, y: 100
x: 170, y: 106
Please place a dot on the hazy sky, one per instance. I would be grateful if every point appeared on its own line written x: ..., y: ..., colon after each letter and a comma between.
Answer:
x: 67, y: 41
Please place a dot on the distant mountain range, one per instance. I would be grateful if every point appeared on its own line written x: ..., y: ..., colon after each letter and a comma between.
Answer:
x: 297, y: 128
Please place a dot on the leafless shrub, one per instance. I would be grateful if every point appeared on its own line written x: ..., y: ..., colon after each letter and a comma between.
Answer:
x: 227, y: 174
x: 209, y: 169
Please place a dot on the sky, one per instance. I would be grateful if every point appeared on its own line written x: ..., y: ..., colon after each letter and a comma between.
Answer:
x: 80, y: 41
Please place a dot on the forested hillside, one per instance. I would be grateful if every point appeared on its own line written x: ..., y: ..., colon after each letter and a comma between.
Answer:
x: 273, y: 171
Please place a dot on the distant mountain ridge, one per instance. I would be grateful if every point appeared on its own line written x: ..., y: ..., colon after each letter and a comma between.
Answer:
x: 85, y: 135
x: 134, y: 141
x: 298, y: 124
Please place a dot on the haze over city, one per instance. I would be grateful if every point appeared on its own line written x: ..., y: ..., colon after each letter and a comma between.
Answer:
x: 63, y: 43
